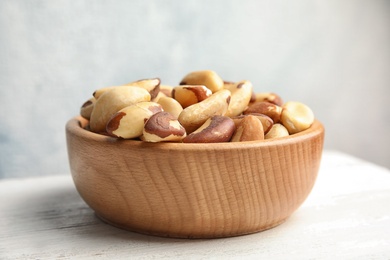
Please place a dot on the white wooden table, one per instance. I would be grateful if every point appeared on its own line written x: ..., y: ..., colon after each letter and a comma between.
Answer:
x: 347, y: 216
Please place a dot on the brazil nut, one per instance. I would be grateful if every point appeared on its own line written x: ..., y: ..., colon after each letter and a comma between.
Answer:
x: 296, y: 117
x: 249, y: 129
x: 241, y: 93
x: 208, y: 78
x: 166, y: 90
x: 188, y: 95
x: 170, y: 105
x: 277, y: 131
x: 215, y: 130
x: 151, y: 85
x: 269, y: 97
x: 112, y: 101
x: 265, y: 108
x: 266, y: 121
x: 194, y: 116
x: 87, y: 107
x: 163, y: 127
x: 129, y: 122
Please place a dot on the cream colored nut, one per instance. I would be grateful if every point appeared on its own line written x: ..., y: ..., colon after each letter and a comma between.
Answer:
x: 171, y: 106
x: 151, y: 85
x: 296, y: 117
x: 277, y: 131
x: 241, y: 96
x: 159, y: 95
x: 194, y: 116
x: 188, y: 95
x: 269, y: 97
x: 208, y: 78
x: 166, y: 90
x: 266, y: 121
x: 112, y: 101
x: 101, y: 91
x: 87, y: 107
x: 249, y: 129
x: 215, y: 130
x: 163, y: 127
x: 228, y: 84
x: 265, y: 108
x: 129, y: 122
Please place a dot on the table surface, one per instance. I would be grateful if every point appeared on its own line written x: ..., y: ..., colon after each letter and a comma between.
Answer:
x: 347, y: 216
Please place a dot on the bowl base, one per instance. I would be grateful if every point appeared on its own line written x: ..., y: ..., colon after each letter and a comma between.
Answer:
x: 188, y: 236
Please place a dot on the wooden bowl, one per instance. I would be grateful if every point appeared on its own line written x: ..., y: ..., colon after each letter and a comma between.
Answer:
x: 193, y: 190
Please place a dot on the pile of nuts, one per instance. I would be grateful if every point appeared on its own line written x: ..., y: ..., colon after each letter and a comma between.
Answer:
x: 202, y: 109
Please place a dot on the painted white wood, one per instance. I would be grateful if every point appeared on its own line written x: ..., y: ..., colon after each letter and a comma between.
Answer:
x: 347, y: 216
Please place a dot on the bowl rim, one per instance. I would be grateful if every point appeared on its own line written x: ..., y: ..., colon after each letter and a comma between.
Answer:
x: 76, y: 126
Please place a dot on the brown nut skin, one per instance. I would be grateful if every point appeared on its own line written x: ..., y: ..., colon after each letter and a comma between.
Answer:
x: 277, y: 131
x: 188, y: 95
x: 87, y: 107
x: 269, y: 97
x: 171, y: 106
x: 194, y: 116
x: 208, y: 78
x: 249, y: 129
x: 151, y: 85
x: 265, y: 108
x: 216, y: 129
x: 296, y: 117
x: 266, y: 121
x: 241, y: 96
x: 112, y: 101
x: 129, y: 122
x: 163, y: 127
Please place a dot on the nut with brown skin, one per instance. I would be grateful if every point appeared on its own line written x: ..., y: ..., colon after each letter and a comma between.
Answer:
x: 112, y: 101
x: 215, y: 130
x: 129, y: 122
x: 269, y: 97
x: 208, y: 78
x: 171, y: 106
x: 151, y: 85
x: 296, y: 117
x: 163, y: 127
x: 277, y: 131
x: 266, y: 121
x: 194, y: 116
x: 241, y: 96
x: 188, y: 95
x: 87, y: 107
x: 265, y: 108
x: 101, y: 91
x: 249, y: 129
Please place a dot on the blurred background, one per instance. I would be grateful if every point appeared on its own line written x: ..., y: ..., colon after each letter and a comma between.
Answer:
x: 331, y: 55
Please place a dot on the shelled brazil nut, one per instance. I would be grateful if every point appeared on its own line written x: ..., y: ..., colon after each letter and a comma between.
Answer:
x: 202, y: 108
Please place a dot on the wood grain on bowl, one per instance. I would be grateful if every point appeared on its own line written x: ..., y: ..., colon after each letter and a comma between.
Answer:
x: 193, y: 190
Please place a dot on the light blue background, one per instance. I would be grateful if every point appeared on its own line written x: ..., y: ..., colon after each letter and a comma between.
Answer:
x: 332, y: 55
